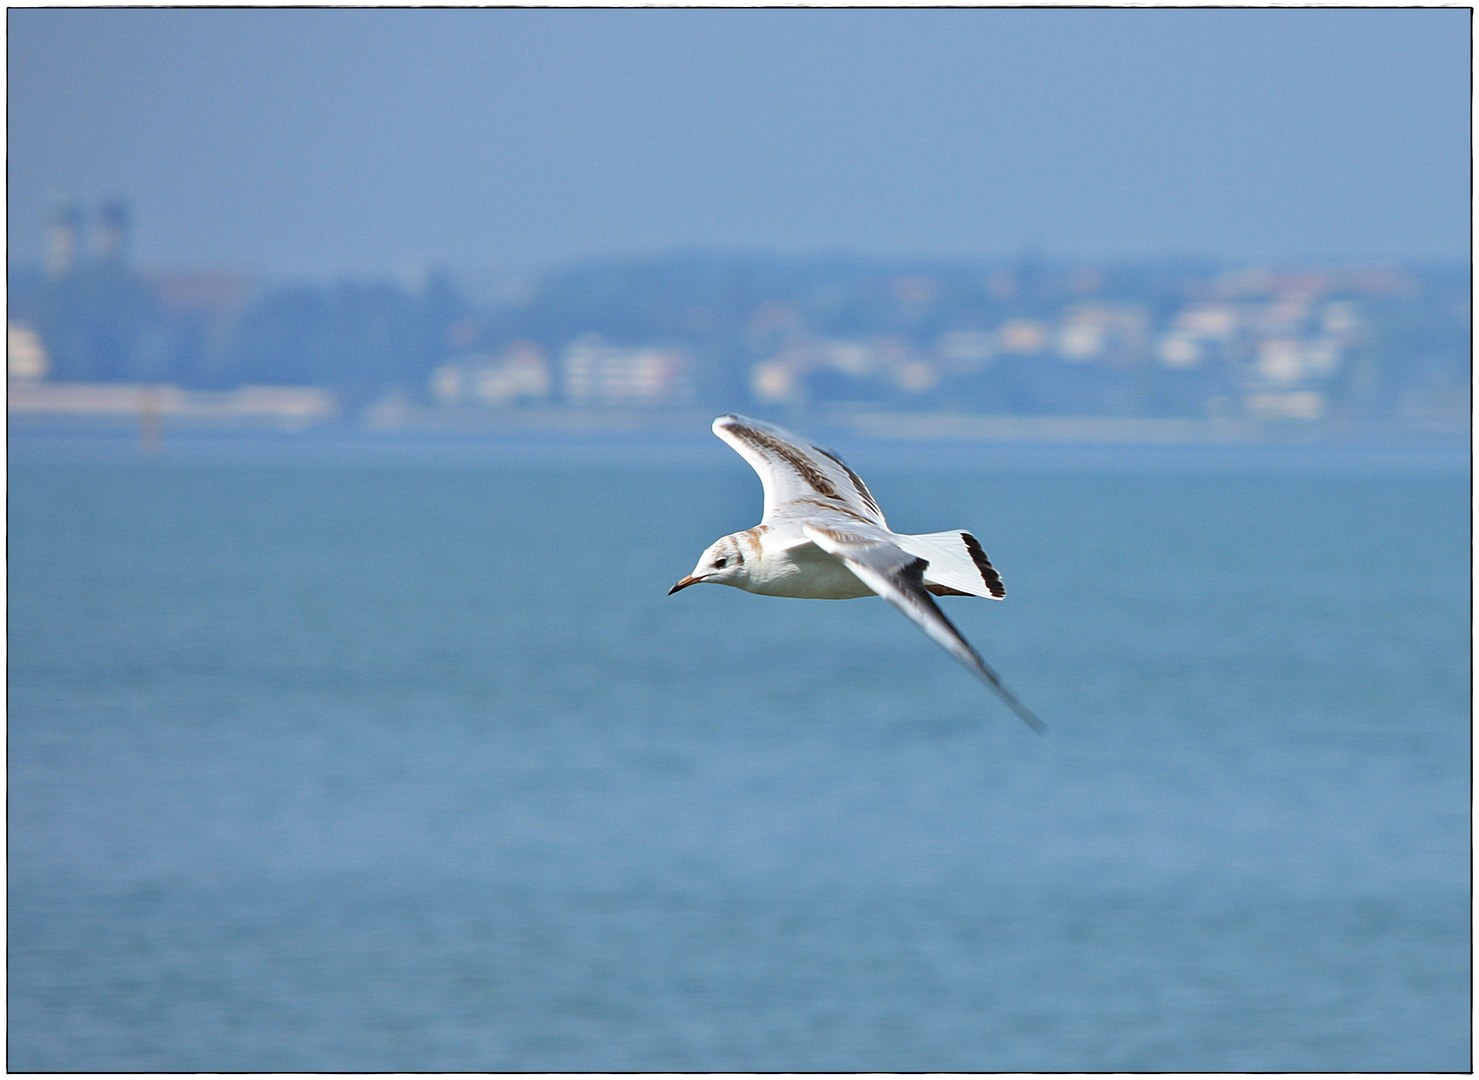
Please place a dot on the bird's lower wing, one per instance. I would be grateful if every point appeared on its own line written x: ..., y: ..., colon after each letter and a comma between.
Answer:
x: 898, y: 577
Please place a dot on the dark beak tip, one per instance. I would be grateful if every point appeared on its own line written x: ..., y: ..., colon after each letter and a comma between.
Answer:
x: 683, y: 585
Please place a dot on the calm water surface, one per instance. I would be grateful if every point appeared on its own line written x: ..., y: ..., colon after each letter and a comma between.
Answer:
x: 409, y: 766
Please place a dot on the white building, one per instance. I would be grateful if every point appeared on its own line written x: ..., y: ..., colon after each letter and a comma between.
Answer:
x: 599, y: 374
x: 520, y: 373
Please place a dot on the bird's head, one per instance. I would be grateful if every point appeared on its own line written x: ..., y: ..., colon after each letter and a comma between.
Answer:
x: 722, y: 563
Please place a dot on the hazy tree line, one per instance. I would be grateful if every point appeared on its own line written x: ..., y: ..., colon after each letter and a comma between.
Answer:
x: 106, y: 323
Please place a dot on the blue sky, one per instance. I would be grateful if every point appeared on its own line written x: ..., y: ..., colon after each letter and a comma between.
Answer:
x: 325, y: 141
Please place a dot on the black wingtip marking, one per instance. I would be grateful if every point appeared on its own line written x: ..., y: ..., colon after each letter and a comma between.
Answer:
x: 989, y: 575
x: 914, y: 573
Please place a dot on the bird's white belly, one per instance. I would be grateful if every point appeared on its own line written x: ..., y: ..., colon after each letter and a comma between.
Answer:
x: 806, y: 572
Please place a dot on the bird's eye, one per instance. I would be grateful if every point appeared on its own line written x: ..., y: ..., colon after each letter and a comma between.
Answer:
x: 720, y: 563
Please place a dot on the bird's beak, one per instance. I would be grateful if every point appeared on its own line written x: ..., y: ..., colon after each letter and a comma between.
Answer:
x: 690, y: 580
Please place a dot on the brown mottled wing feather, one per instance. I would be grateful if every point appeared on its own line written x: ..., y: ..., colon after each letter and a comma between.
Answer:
x: 799, y: 479
x: 898, y: 577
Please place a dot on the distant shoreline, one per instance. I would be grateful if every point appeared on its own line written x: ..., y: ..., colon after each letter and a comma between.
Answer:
x: 390, y: 421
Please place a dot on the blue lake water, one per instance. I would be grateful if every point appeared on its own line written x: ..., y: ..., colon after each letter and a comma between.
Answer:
x: 411, y: 764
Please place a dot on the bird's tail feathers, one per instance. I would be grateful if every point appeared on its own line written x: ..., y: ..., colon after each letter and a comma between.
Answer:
x: 957, y: 564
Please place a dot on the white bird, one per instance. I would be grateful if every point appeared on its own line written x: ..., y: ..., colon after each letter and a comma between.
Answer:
x: 823, y: 537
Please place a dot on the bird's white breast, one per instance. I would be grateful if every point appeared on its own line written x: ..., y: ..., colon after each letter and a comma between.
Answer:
x: 802, y: 570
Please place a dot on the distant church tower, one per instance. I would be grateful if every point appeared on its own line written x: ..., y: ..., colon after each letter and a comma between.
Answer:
x: 63, y: 238
x: 112, y: 235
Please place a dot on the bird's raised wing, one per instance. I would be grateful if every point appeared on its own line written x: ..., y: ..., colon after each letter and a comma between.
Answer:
x: 898, y: 577
x: 799, y: 478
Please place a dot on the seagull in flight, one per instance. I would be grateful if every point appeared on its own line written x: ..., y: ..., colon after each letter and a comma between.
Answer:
x: 823, y: 537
